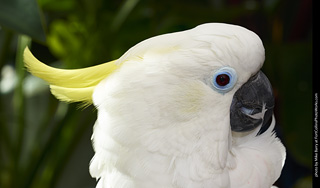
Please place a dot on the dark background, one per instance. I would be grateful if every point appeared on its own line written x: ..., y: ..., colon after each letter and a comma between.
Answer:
x: 45, y: 143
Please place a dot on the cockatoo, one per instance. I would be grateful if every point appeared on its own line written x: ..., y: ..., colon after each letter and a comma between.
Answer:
x: 179, y: 110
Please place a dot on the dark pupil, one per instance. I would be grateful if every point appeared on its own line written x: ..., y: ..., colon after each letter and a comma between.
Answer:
x: 222, y: 79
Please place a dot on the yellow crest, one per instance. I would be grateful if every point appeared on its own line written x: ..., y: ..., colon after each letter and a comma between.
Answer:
x: 70, y: 85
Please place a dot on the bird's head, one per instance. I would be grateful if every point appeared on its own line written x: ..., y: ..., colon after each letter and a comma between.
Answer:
x: 182, y: 83
x: 211, y: 70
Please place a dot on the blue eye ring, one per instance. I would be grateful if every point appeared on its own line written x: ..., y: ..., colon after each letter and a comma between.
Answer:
x: 224, y: 79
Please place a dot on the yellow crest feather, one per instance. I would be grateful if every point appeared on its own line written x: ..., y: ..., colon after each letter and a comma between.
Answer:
x: 73, y: 85
x: 73, y: 94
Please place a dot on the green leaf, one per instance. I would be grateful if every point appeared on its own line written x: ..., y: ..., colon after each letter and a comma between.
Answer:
x: 22, y: 16
x: 123, y: 13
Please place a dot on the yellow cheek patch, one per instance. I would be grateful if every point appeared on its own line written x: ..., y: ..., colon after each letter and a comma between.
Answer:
x: 70, y: 85
x: 192, y: 99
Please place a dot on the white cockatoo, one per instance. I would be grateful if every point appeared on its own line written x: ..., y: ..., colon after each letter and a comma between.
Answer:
x: 179, y: 110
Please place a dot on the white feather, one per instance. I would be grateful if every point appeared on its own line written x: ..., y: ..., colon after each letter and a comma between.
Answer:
x: 260, y: 157
x: 160, y: 124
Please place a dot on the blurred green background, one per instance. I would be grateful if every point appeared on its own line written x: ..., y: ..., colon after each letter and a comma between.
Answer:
x: 45, y: 143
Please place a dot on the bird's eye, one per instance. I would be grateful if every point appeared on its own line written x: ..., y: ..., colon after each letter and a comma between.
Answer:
x: 224, y: 79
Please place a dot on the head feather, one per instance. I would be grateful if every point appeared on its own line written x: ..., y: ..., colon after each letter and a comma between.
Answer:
x: 73, y: 85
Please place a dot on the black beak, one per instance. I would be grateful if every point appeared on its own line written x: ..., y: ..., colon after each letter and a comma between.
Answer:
x: 252, y: 104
